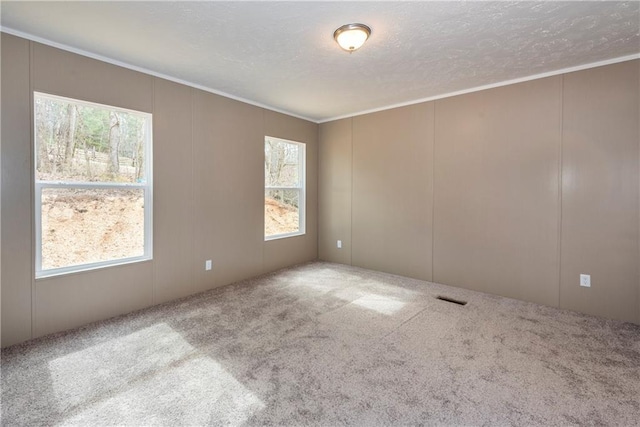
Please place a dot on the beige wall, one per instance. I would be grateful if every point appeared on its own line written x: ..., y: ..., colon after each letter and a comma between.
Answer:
x: 16, y: 252
x: 392, y: 199
x: 533, y: 184
x: 208, y: 154
x: 600, y: 180
x: 334, y: 199
x: 174, y: 192
x: 497, y: 196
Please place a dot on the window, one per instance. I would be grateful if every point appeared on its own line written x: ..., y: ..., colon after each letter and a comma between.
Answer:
x: 284, y: 191
x: 93, y: 193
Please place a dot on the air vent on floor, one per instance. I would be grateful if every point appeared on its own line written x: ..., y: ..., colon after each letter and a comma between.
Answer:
x: 453, y: 300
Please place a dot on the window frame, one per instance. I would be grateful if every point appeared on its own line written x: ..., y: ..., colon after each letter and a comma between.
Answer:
x: 147, y: 188
x: 301, y: 188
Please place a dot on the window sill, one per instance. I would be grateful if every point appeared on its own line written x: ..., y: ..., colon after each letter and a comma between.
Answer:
x: 284, y: 236
x: 85, y: 268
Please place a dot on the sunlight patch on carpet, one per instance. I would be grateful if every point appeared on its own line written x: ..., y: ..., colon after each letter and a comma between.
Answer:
x: 150, y: 376
x: 380, y: 304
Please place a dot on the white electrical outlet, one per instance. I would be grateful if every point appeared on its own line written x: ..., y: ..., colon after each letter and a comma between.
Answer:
x: 585, y: 280
x: 339, y: 244
x: 207, y: 265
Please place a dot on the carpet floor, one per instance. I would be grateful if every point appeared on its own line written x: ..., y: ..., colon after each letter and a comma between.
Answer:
x: 326, y: 345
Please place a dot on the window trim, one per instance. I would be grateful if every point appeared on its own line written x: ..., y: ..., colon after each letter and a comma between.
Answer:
x: 302, y: 190
x: 147, y: 188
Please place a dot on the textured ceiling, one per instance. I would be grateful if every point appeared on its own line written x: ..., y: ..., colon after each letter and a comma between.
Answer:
x: 282, y: 54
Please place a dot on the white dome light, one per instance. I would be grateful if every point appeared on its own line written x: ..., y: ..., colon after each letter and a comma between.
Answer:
x: 351, y: 37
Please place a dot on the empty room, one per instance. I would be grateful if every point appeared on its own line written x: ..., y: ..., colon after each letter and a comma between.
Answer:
x: 320, y: 213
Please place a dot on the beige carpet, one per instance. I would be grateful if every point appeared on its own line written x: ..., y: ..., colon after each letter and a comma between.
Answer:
x: 325, y: 344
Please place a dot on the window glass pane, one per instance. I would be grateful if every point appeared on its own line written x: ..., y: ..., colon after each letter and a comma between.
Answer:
x: 281, y: 164
x: 84, y: 142
x: 281, y: 212
x: 84, y: 226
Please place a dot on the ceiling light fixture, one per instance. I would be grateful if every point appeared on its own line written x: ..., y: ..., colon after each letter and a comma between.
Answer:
x: 351, y: 37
